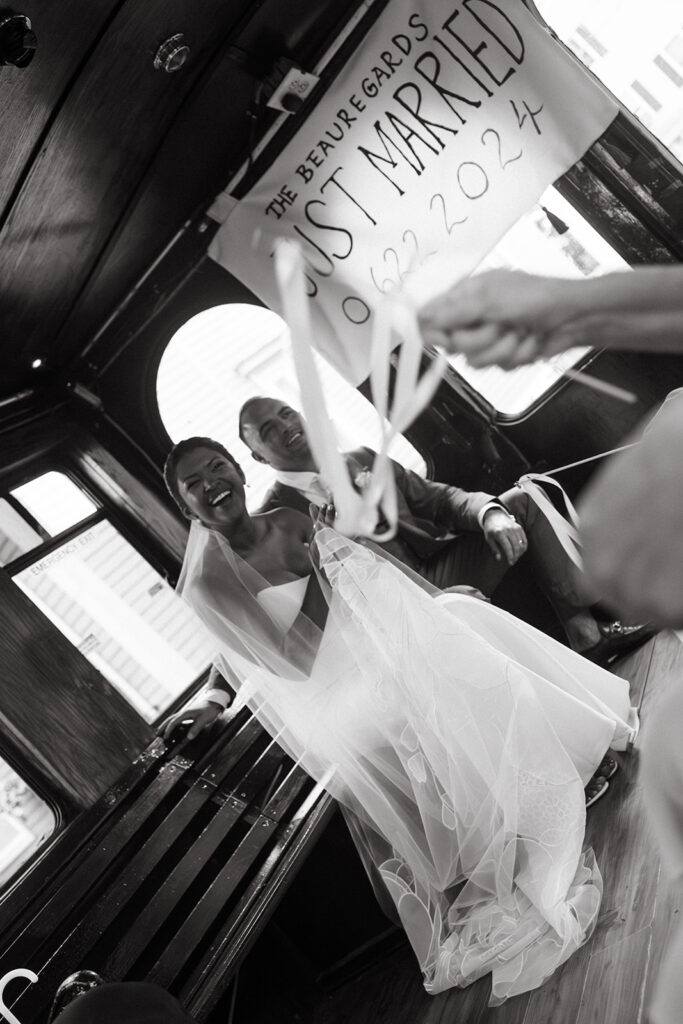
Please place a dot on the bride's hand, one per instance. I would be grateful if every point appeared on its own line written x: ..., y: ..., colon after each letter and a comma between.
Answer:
x: 199, y: 717
x: 322, y: 515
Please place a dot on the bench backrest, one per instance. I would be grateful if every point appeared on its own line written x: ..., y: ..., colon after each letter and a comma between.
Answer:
x: 171, y: 876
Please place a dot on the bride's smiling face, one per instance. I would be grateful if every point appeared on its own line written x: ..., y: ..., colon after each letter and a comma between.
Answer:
x: 210, y: 487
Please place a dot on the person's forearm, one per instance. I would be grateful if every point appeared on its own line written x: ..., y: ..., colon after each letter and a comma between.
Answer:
x: 508, y: 318
x: 641, y: 309
x: 217, y: 691
x: 642, y: 332
x: 642, y: 290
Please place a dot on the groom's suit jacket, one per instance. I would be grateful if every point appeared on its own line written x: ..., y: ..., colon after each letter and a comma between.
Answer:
x: 427, y: 510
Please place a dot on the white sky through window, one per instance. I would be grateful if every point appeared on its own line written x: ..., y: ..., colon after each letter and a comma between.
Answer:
x: 230, y: 353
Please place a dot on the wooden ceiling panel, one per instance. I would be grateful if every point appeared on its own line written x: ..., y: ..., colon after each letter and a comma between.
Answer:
x: 100, y: 145
x: 207, y: 144
x: 103, y: 158
x: 66, y: 32
x: 207, y: 140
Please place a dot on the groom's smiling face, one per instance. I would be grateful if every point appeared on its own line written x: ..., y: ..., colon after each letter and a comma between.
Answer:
x: 276, y: 434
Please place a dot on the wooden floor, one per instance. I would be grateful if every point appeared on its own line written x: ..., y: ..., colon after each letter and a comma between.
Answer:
x: 609, y: 980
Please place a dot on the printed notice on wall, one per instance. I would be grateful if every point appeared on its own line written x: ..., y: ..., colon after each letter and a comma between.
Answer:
x: 445, y: 126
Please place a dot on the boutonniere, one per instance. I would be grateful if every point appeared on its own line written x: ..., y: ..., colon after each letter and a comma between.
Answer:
x: 362, y: 480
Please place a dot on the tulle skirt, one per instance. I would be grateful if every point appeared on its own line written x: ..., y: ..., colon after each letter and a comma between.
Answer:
x: 459, y: 740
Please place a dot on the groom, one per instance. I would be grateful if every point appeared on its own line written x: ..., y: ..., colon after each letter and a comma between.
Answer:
x: 491, y: 533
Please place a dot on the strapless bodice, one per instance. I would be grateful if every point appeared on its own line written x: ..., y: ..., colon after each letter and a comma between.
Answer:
x: 283, y: 602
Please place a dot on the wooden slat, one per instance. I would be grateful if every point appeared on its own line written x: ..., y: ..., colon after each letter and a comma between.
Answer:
x: 238, y: 936
x: 559, y: 998
x: 664, y: 671
x: 100, y: 855
x: 36, y: 944
x: 211, y: 903
x: 239, y: 931
x: 256, y: 780
x: 164, y: 902
x: 234, y: 767
x: 668, y: 919
x: 636, y: 668
x: 171, y: 892
x: 626, y: 855
x: 228, y: 745
x: 615, y: 981
x: 515, y: 1011
x: 68, y: 847
x: 263, y: 832
x: 123, y: 887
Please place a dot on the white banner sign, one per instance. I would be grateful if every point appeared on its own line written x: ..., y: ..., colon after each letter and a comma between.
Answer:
x: 447, y: 124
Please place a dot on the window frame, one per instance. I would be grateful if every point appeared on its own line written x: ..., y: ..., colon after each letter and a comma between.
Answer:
x: 16, y: 753
x: 627, y: 214
x: 105, y: 512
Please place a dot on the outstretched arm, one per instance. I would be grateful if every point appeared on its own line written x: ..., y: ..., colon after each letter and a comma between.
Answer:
x: 203, y: 711
x: 632, y: 524
x: 443, y: 505
x: 509, y: 318
x: 452, y: 508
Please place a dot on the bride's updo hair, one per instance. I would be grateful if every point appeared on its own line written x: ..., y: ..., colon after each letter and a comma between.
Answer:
x: 189, y: 444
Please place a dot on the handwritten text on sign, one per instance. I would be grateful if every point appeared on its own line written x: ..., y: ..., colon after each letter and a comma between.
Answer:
x: 447, y: 124
x: 19, y: 972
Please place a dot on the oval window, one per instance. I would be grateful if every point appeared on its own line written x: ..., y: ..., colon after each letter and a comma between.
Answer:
x: 227, y: 354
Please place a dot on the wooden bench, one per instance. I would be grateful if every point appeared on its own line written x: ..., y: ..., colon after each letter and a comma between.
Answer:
x: 171, y: 876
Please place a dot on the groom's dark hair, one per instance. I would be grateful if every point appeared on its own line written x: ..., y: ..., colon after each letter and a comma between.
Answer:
x: 189, y: 444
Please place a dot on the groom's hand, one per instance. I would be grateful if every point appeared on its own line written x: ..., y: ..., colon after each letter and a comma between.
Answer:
x: 504, y: 535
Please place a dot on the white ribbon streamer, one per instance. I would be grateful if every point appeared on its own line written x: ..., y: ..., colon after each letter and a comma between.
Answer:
x: 358, y: 513
x: 567, y: 532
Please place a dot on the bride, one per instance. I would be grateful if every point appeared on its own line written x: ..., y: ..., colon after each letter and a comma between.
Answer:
x: 457, y: 738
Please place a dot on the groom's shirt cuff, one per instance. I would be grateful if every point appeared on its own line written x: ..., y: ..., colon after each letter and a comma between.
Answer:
x: 485, y: 508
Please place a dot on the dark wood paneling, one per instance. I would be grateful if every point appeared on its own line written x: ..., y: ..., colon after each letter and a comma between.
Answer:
x: 31, y: 429
x: 130, y: 351
x: 207, y: 144
x: 100, y: 145
x: 61, y: 722
x: 132, y: 496
x: 57, y: 712
x: 578, y: 422
x: 193, y: 164
x: 67, y: 32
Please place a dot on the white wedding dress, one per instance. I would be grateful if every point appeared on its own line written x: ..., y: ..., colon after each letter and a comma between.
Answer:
x: 459, y: 739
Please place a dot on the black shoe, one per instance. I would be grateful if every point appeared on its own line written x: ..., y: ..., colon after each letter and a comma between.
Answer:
x: 616, y: 640
x: 597, y: 787
x: 71, y: 988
